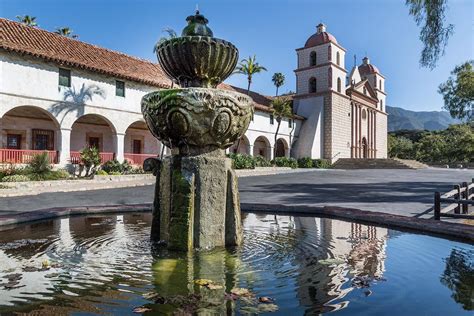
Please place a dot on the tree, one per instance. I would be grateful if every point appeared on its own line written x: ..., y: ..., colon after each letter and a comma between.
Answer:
x: 281, y: 107
x: 459, y: 141
x: 400, y: 147
x: 434, y: 34
x: 171, y: 34
x: 27, y: 20
x: 458, y: 92
x: 278, y: 80
x: 249, y: 67
x: 65, y: 31
x: 432, y: 148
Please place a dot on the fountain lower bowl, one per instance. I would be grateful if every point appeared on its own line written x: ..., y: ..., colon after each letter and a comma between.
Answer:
x: 197, y: 119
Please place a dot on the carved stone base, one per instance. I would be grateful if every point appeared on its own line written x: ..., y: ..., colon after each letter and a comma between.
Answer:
x: 197, y: 203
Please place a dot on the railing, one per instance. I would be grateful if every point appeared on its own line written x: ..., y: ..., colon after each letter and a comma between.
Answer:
x: 20, y: 156
x: 458, y: 201
x: 75, y: 157
x: 138, y: 159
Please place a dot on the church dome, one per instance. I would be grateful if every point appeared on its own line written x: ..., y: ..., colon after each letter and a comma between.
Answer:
x: 367, y: 68
x: 321, y: 37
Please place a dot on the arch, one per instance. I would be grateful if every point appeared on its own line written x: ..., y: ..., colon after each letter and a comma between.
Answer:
x: 244, y: 146
x: 261, y: 147
x: 313, y: 58
x: 365, y: 150
x: 29, y: 127
x: 329, y: 78
x: 281, y: 148
x: 139, y: 143
x: 93, y: 130
x: 338, y: 58
x: 339, y: 85
x: 312, y: 85
x: 329, y: 53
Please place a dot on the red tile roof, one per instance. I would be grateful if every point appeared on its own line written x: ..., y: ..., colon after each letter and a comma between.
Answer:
x: 35, y: 42
x: 18, y: 38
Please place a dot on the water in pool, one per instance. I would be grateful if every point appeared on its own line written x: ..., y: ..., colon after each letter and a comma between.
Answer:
x: 287, y: 265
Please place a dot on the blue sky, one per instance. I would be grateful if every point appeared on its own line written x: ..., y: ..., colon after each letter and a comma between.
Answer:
x: 273, y: 29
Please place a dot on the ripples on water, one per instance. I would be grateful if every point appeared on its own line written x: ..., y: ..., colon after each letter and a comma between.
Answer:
x: 106, y: 265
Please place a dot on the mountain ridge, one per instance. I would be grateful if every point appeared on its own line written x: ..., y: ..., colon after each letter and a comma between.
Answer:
x: 400, y: 118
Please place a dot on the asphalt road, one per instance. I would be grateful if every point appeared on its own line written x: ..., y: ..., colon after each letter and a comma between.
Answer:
x: 403, y: 192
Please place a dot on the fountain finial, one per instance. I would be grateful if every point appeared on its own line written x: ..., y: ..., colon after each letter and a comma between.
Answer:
x: 197, y: 25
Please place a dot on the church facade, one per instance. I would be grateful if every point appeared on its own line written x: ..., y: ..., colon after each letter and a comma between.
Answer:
x: 61, y: 95
x: 345, y: 112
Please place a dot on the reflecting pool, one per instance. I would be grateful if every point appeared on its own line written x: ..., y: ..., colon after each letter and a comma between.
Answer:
x: 287, y: 265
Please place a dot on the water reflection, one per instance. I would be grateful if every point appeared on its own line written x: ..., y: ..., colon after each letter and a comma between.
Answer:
x: 458, y: 276
x: 106, y: 264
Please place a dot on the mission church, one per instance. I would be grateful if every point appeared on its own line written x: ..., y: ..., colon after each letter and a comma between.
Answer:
x: 59, y: 95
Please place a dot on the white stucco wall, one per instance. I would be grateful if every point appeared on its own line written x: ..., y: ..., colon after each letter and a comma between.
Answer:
x: 310, y: 139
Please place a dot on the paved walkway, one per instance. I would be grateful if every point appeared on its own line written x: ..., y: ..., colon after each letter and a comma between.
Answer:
x: 402, y: 192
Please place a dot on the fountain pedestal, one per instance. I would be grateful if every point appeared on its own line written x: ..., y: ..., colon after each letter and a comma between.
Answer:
x: 197, y: 203
x: 196, y: 200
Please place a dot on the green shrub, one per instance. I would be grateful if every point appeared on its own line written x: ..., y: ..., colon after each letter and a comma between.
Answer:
x: 50, y: 175
x: 90, y: 157
x: 101, y: 173
x: 137, y: 170
x: 126, y: 167
x: 261, y: 162
x: 117, y: 167
x: 240, y: 161
x: 321, y: 163
x: 285, y: 162
x: 305, y: 162
x: 39, y: 164
x: 115, y: 173
x: 16, y: 178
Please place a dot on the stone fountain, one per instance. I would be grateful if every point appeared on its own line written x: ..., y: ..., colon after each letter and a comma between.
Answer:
x: 196, y: 201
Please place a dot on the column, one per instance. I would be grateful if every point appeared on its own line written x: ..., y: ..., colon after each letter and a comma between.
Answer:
x: 64, y: 146
x: 352, y: 130
x: 375, y: 135
x: 272, y: 153
x: 359, y: 141
x: 119, y: 146
x: 251, y: 150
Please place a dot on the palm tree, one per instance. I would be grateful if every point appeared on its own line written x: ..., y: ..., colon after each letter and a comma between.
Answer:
x: 65, y: 31
x: 249, y: 67
x: 281, y: 107
x: 171, y: 34
x: 27, y: 20
x: 278, y: 80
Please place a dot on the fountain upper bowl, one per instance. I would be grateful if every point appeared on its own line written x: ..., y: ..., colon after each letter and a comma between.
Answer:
x: 197, y: 61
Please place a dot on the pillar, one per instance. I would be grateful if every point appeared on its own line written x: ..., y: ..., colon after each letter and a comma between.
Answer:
x: 64, y: 146
x: 250, y: 150
x: 119, y: 146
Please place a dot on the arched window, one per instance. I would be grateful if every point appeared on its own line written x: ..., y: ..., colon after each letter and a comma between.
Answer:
x: 330, y: 78
x: 338, y: 59
x: 312, y: 85
x: 381, y: 105
x: 380, y: 84
x: 312, y: 59
x: 375, y: 82
x: 329, y: 53
x: 339, y: 85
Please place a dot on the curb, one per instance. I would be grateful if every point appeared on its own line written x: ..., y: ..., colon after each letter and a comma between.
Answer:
x: 412, y: 224
x: 456, y: 231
